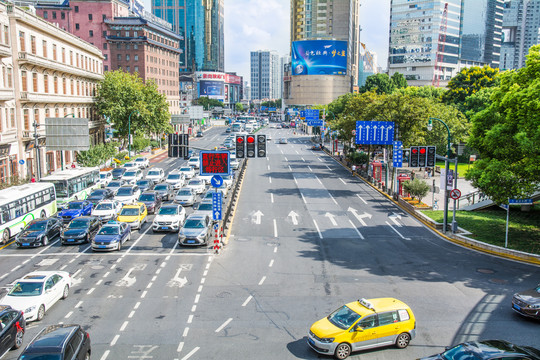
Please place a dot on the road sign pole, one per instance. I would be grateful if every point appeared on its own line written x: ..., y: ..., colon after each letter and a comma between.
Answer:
x: 454, y: 223
x: 445, y: 215
x: 507, y: 220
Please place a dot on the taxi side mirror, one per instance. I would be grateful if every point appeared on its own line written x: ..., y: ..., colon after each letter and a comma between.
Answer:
x: 359, y: 328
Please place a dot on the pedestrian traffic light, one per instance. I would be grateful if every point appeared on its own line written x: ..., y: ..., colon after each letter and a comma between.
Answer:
x: 413, y: 159
x: 261, y: 145
x: 240, y: 147
x: 422, y: 156
x: 250, y: 146
x: 406, y: 156
x: 431, y: 154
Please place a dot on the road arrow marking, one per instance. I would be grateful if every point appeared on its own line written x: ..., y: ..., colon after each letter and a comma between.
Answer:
x: 331, y: 217
x: 257, y: 217
x: 177, y: 280
x: 359, y: 217
x: 294, y: 217
x: 394, y: 217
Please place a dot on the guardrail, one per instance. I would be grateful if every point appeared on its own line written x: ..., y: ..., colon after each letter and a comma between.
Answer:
x: 471, y: 199
x: 235, y: 193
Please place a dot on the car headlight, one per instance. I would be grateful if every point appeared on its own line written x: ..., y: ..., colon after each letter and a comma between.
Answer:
x: 201, y: 236
x: 181, y: 236
x: 327, y: 340
x: 535, y: 306
x: 30, y: 309
x: 81, y: 236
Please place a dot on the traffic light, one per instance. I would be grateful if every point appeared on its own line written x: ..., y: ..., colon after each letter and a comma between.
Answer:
x: 406, y: 156
x: 431, y: 152
x: 240, y: 147
x: 261, y: 145
x: 413, y: 159
x: 250, y: 146
x: 422, y: 155
x: 179, y: 145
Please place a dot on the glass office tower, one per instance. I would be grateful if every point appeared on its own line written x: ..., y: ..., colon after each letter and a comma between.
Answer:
x: 200, y: 23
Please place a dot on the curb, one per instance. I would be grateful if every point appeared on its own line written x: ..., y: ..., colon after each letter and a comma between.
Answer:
x: 456, y: 239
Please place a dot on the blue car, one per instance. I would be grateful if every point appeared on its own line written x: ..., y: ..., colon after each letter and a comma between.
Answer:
x: 111, y: 236
x: 75, y: 209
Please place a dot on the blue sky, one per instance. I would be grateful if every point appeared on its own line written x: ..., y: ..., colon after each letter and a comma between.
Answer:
x: 264, y: 25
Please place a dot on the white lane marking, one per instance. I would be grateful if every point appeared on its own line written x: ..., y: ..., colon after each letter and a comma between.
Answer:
x: 271, y: 263
x: 281, y: 150
x: 78, y: 304
x: 403, y: 237
x: 203, y: 280
x: 268, y: 167
x: 186, y: 331
x: 365, y: 202
x: 76, y: 273
x: 90, y: 291
x: 343, y: 181
x: 275, y: 249
x: 158, y: 271
x: 190, y: 354
x: 163, y: 264
x: 360, y: 217
x: 394, y: 217
x: 205, y: 272
x: 105, y: 354
x: 270, y: 179
x: 114, y: 340
x: 310, y: 168
x: 295, y: 181
x: 334, y: 200
x: 319, y: 180
x: 271, y: 198
x: 137, y: 305
x: 197, y: 297
x: 356, y: 229
x: 63, y: 267
x: 328, y: 167
x: 200, y: 288
x: 332, y: 218
x: 68, y: 315
x: 224, y: 325
x: 149, y: 285
x: 262, y: 280
x: 131, y: 314
x: 303, y: 160
x: 180, y: 347
x: 297, y: 152
x: 3, y: 276
x: 124, y: 325
x: 154, y: 278
x: 247, y: 300
x: 275, y: 228
x: 294, y: 217
x: 190, y: 319
x: 99, y: 282
x: 106, y: 274
x: 290, y: 168
x: 286, y: 159
x: 317, y: 227
x: 321, y: 160
x: 193, y: 308
x: 143, y: 295
x: 303, y: 198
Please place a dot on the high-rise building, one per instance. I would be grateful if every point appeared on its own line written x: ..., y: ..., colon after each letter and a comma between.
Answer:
x: 324, y: 51
x: 521, y: 25
x: 430, y: 41
x: 265, y: 75
x: 200, y: 24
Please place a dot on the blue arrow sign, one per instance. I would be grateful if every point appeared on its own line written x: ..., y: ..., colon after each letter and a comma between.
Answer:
x: 216, y: 206
x: 397, y: 154
x: 520, y: 201
x: 216, y: 181
x: 374, y: 132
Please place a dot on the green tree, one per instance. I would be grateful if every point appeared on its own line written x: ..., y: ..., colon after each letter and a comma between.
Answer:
x: 380, y: 83
x: 121, y: 94
x: 417, y: 188
x: 430, y: 92
x: 239, y: 107
x: 97, y: 154
x: 507, y: 135
x: 399, y: 81
x: 207, y: 103
x: 468, y: 82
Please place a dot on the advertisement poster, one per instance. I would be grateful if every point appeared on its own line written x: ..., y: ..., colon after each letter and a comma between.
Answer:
x: 212, y: 89
x: 319, y: 57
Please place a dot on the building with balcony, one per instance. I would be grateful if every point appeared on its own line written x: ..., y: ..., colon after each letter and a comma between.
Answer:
x: 45, y: 72
x: 148, y: 48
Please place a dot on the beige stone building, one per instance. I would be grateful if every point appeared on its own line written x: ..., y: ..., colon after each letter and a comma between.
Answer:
x: 44, y: 72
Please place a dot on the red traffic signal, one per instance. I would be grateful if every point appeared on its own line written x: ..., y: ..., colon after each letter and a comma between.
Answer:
x: 239, y: 139
x: 251, y: 139
x: 422, y: 150
x: 414, y: 150
x: 250, y: 146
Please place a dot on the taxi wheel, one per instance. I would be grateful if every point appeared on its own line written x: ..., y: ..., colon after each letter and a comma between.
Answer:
x: 119, y: 246
x: 342, y: 351
x: 403, y: 340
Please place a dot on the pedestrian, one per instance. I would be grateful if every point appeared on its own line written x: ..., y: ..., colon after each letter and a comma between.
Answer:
x: 33, y: 179
x: 353, y: 168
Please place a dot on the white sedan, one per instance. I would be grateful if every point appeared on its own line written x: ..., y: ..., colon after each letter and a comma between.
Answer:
x: 36, y: 292
x: 107, y: 210
x: 197, y: 185
x: 194, y: 162
x: 142, y: 162
x: 169, y: 218
x: 188, y: 171
x: 157, y: 175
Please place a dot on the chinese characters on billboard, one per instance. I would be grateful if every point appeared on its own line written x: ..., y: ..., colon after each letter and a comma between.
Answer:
x: 319, y: 57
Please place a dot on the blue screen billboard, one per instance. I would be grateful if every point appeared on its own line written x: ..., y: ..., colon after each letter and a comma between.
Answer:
x: 212, y: 89
x: 319, y: 57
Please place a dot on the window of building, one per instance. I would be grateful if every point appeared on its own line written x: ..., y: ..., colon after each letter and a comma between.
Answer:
x: 24, y: 83
x: 45, y: 15
x: 54, y: 14
x: 127, y: 46
x: 54, y: 51
x: 104, y: 17
x: 36, y: 116
x: 12, y: 117
x: 106, y: 67
x: 136, y: 68
x: 106, y: 57
x: 135, y: 47
x: 55, y: 85
x: 104, y: 46
x: 127, y: 33
x: 62, y: 15
x: 34, y: 82
x: 91, y: 33
x: 26, y: 117
x: 72, y: 87
x: 64, y: 86
x: 64, y: 55
x: 22, y: 41
x: 136, y: 57
x: 46, y: 83
x: 77, y: 27
x: 44, y: 43
x: 104, y: 33
x: 135, y: 34
x: 33, y: 44
x: 90, y: 17
x: 119, y: 57
x: 128, y: 69
x: 127, y: 57
x: 6, y: 35
x: 118, y: 46
x: 76, y: 9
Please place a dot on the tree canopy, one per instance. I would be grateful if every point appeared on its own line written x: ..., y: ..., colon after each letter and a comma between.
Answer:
x: 207, y: 103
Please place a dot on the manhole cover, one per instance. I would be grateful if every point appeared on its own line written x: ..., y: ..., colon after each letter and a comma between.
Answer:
x: 98, y: 267
x: 485, y: 271
x: 499, y: 281
x: 272, y: 244
x: 224, y: 294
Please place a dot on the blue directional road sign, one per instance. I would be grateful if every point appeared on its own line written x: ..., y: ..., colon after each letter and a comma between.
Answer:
x: 216, y: 206
x: 216, y: 181
x: 398, y: 154
x: 374, y: 132
x: 520, y: 201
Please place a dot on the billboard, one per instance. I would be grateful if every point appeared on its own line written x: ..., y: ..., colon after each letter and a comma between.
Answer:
x: 212, y: 89
x: 319, y: 57
x: 67, y: 134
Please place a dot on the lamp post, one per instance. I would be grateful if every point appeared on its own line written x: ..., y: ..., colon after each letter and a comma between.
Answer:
x: 447, y: 170
x: 129, y: 131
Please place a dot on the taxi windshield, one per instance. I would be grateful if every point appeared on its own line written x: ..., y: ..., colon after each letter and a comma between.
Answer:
x: 153, y: 173
x: 104, y: 206
x: 109, y: 230
x: 166, y: 210
x: 343, y: 317
x: 130, y: 212
x: 26, y: 289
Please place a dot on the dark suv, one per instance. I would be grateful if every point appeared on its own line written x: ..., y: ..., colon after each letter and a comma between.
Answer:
x: 59, y: 342
x: 12, y: 328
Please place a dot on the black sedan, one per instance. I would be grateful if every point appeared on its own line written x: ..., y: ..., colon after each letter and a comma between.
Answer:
x: 80, y: 230
x: 489, y: 349
x: 100, y: 195
x: 12, y: 328
x: 39, y: 232
x: 152, y: 200
x: 145, y: 184
x: 111, y: 236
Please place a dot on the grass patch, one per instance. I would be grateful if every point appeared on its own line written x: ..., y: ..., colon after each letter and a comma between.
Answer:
x: 489, y: 226
x: 461, y: 168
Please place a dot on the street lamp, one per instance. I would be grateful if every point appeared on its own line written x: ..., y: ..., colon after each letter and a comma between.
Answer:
x: 129, y: 131
x: 447, y: 170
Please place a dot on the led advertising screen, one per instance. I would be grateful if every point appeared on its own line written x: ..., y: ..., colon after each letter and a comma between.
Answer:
x: 319, y: 57
x: 212, y: 89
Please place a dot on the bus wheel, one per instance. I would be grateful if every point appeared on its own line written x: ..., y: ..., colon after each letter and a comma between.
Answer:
x: 43, y: 214
x: 5, y: 237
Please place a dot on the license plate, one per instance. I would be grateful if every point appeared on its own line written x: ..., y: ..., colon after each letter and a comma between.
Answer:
x: 102, y: 246
x: 516, y: 307
x: 71, y: 240
x: 191, y: 241
x: 26, y: 244
x: 164, y: 228
x: 310, y: 340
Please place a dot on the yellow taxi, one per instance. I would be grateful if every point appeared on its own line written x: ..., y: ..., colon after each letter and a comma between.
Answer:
x: 363, y: 324
x: 134, y: 214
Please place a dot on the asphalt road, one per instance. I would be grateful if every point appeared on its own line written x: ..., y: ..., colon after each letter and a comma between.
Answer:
x: 306, y: 238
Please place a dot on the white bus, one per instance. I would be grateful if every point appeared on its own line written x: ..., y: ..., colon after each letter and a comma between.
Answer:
x: 21, y: 204
x: 73, y: 184
x: 237, y: 127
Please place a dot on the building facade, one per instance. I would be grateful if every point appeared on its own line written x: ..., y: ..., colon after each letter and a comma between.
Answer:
x: 200, y: 24
x: 521, y: 30
x: 45, y: 72
x: 316, y: 27
x: 137, y: 45
x: 265, y: 75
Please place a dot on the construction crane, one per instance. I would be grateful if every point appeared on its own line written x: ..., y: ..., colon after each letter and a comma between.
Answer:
x: 439, y: 57
x: 369, y: 58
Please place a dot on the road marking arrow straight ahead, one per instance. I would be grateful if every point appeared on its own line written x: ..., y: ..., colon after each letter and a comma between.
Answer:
x: 360, y: 217
x: 256, y: 217
x: 332, y: 218
x: 294, y: 217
